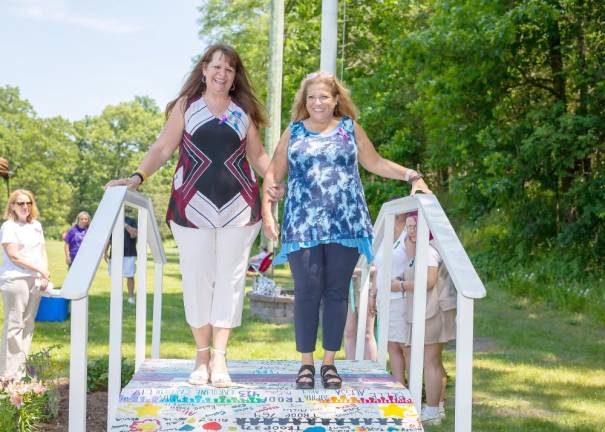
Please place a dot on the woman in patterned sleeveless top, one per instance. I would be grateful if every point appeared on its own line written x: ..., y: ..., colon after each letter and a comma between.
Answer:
x: 214, y: 209
x: 326, y: 220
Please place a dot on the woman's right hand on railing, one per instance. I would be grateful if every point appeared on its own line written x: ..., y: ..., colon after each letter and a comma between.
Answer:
x: 131, y: 183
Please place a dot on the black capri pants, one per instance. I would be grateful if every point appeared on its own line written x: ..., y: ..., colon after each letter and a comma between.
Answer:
x: 322, y: 272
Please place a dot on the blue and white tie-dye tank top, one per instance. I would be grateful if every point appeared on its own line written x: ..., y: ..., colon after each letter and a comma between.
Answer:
x: 325, y: 202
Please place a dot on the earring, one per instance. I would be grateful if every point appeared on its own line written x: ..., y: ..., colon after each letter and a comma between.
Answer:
x: 204, y: 79
x: 232, y: 86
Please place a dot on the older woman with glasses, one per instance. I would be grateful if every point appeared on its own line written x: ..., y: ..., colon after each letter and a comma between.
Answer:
x: 24, y: 262
x: 326, y: 220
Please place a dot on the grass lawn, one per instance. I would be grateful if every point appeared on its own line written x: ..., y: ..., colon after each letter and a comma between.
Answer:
x: 535, y: 369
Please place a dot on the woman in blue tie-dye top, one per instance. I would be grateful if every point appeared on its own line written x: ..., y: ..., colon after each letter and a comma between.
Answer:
x: 326, y: 220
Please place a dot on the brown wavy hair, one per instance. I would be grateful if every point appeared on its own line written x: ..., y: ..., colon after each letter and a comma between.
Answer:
x: 243, y: 94
x: 344, y: 107
x: 9, y: 214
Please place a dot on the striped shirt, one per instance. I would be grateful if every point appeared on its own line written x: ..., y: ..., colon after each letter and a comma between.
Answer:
x: 213, y: 185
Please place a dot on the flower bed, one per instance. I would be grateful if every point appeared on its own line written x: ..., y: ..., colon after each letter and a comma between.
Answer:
x: 35, y: 399
x: 25, y: 404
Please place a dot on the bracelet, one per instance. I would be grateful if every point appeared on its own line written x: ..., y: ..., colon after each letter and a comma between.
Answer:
x: 415, y: 178
x: 143, y: 174
x: 372, y: 294
x: 139, y: 175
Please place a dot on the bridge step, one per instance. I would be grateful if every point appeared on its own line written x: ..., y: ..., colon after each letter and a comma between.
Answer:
x: 159, y: 399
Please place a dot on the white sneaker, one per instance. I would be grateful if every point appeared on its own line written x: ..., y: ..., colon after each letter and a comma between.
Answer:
x: 430, y: 415
x: 131, y: 300
x: 442, y: 410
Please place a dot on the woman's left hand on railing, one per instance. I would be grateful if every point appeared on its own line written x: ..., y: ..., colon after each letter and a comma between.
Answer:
x: 131, y: 183
x: 420, y: 185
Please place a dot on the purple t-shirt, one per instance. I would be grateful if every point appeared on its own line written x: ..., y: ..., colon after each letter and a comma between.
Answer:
x: 74, y: 238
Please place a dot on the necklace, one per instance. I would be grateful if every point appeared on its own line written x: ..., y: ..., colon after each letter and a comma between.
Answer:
x: 213, y: 105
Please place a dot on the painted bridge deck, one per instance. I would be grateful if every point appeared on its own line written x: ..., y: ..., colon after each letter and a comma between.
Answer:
x: 265, y: 399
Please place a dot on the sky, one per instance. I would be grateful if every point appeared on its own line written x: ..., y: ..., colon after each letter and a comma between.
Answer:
x: 74, y: 57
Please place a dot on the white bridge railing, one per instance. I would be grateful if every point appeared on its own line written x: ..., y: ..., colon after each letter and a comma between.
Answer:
x: 110, y: 216
x: 431, y: 217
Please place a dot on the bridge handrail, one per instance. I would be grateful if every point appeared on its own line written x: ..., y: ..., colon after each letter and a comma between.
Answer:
x: 109, y: 221
x: 461, y: 269
x: 84, y: 267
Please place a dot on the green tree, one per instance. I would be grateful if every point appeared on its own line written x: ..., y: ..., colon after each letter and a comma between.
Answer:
x: 42, y: 154
x: 111, y: 146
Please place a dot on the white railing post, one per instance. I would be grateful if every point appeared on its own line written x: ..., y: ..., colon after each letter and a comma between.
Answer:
x: 156, y: 332
x: 383, y: 284
x: 362, y: 306
x: 141, y: 306
x: 114, y: 381
x: 419, y: 310
x: 464, y: 364
x: 78, y: 360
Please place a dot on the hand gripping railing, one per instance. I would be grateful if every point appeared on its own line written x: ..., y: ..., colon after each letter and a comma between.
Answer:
x: 110, y: 216
x: 431, y: 217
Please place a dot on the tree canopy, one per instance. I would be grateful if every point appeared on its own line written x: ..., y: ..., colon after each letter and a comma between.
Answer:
x: 500, y: 104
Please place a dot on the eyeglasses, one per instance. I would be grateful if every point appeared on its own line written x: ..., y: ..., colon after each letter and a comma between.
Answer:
x: 23, y: 203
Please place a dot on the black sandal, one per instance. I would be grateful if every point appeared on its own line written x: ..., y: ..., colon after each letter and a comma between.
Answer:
x: 305, y: 371
x: 328, y: 375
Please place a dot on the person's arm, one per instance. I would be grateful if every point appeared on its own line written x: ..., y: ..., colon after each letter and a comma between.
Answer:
x: 255, y: 151
x: 372, y: 292
x: 66, y: 250
x: 44, y: 278
x: 12, y: 252
x: 275, y: 175
x: 373, y: 162
x: 106, y: 251
x: 260, y: 161
x: 397, y: 285
x: 408, y: 285
x: 131, y: 230
x: 161, y: 150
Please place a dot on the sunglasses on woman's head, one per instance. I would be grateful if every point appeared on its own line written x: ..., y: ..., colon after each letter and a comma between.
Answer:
x: 22, y: 203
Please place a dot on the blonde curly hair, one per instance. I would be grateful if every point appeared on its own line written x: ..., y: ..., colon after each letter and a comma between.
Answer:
x: 344, y: 107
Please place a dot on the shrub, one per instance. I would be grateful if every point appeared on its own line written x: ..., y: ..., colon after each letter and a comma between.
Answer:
x: 98, y: 373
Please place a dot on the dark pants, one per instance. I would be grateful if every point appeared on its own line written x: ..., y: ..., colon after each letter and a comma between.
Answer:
x: 322, y: 272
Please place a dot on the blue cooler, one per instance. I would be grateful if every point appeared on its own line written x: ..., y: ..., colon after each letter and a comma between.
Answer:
x: 53, y: 309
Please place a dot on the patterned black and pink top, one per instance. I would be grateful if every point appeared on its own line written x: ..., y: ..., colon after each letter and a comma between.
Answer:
x: 213, y: 185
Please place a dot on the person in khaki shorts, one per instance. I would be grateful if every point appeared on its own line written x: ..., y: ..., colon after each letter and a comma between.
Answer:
x: 24, y: 260
x: 440, y: 324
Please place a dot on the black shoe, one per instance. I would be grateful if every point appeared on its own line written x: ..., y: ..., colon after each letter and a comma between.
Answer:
x: 330, y: 378
x: 302, y: 380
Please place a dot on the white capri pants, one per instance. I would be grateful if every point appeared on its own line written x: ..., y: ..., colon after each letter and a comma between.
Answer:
x: 213, y: 268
